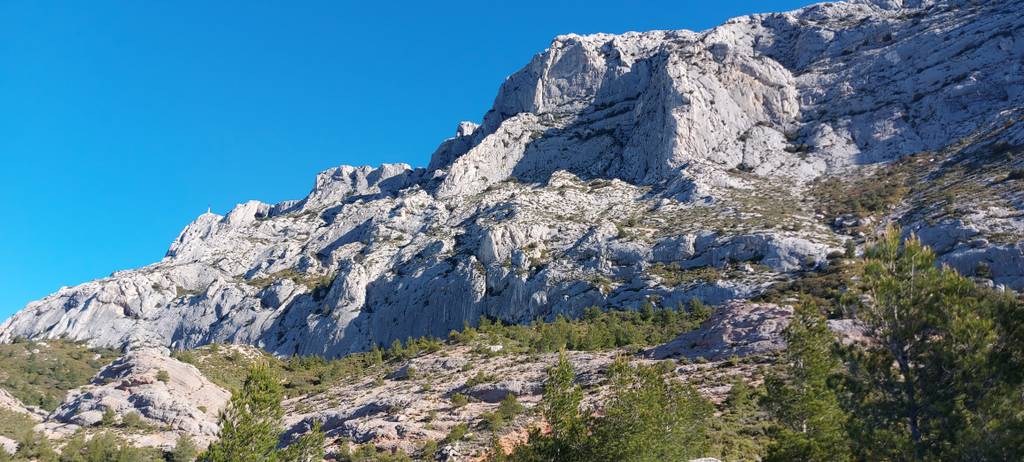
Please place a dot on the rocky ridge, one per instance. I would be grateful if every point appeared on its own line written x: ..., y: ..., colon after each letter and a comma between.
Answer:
x: 612, y: 170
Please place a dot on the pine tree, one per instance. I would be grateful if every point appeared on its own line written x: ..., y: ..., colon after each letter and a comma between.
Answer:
x: 698, y: 312
x: 998, y: 432
x: 184, y: 450
x: 36, y: 447
x: 740, y: 432
x: 561, y: 410
x: 106, y: 447
x: 561, y: 406
x: 308, y: 448
x: 648, y: 418
x: 925, y: 388
x: 800, y: 398
x: 510, y: 407
x: 251, y: 424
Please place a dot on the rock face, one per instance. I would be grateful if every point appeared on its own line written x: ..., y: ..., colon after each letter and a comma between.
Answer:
x: 161, y: 390
x: 735, y: 329
x: 611, y: 170
x: 10, y: 403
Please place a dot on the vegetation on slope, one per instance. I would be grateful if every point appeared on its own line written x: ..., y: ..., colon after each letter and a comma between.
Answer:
x: 228, y: 365
x: 941, y: 380
x: 827, y: 288
x: 596, y: 330
x: 980, y: 172
x: 871, y: 194
x: 40, y: 373
x: 13, y: 424
x: 251, y: 426
x: 101, y: 447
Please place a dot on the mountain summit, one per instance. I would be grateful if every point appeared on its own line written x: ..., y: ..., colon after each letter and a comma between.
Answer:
x: 618, y: 170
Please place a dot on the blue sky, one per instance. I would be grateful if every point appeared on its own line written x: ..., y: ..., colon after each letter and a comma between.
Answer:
x: 122, y: 121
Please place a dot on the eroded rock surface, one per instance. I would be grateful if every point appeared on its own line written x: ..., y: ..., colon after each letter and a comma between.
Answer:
x: 10, y: 403
x: 401, y: 411
x: 170, y: 396
x: 735, y: 329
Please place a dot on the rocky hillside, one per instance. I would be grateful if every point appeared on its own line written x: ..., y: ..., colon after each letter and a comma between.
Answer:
x: 428, y: 398
x: 615, y: 170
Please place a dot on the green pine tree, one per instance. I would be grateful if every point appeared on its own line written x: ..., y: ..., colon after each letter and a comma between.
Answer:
x: 648, y: 418
x: 740, y: 433
x: 997, y: 433
x: 251, y: 424
x: 184, y: 449
x: 36, y: 447
x: 106, y: 447
x: 561, y: 411
x: 308, y: 448
x: 561, y: 407
x: 811, y: 422
x: 934, y: 385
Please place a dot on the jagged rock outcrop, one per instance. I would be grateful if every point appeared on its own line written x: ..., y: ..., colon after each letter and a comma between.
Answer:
x: 735, y: 329
x: 10, y: 403
x: 164, y: 392
x: 612, y: 170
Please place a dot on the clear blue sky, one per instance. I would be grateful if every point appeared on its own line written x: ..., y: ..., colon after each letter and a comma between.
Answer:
x: 121, y: 121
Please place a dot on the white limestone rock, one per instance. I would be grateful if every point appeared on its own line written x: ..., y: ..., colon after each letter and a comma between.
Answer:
x: 495, y: 392
x: 8, y: 445
x: 186, y: 402
x: 737, y: 328
x: 10, y: 403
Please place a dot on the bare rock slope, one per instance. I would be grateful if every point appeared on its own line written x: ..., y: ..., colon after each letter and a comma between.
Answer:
x: 735, y: 329
x: 612, y: 170
x: 167, y: 397
x: 404, y: 410
x: 9, y: 403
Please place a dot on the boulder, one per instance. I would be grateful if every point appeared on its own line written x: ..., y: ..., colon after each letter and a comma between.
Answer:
x: 8, y: 445
x: 735, y: 329
x: 161, y: 390
x: 497, y: 391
